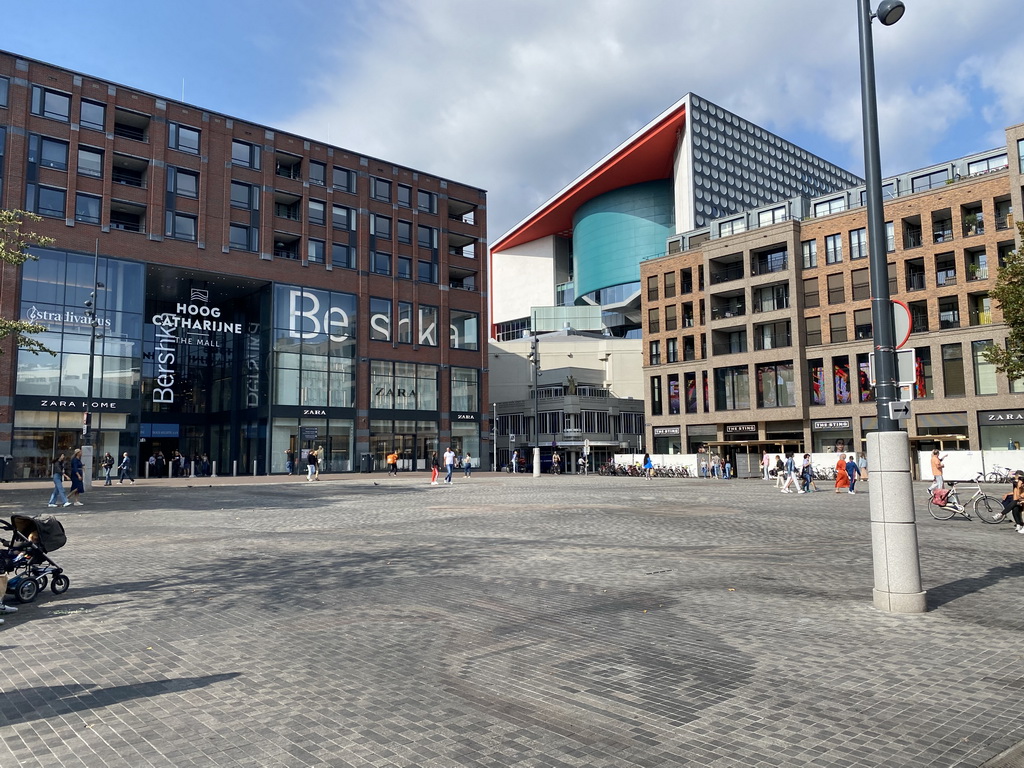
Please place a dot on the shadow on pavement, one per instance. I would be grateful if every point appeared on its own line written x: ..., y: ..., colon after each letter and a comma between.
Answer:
x: 26, y: 704
x: 947, y: 593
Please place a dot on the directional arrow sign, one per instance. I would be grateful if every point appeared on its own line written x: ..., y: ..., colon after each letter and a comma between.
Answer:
x: 899, y: 410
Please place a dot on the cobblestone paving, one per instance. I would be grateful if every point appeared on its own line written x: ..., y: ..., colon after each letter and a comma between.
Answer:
x: 505, y: 621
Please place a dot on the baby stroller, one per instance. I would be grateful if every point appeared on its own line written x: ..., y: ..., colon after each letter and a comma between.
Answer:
x: 26, y: 556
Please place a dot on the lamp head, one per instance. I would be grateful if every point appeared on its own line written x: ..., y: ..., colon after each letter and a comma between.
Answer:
x: 890, y: 11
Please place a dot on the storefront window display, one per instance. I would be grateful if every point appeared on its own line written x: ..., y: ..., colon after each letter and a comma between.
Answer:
x: 841, y: 379
x: 816, y: 379
x: 864, y: 388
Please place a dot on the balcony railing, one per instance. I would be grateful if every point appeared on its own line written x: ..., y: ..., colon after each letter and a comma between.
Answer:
x: 129, y: 132
x: 977, y: 273
x: 727, y: 274
x: 915, y: 281
x: 769, y: 266
x: 287, y: 212
x: 772, y: 343
x: 717, y: 313
x: 912, y: 239
x: 981, y: 317
x: 127, y: 226
x: 128, y: 179
x: 945, y: 277
x: 729, y: 348
x: 949, y: 322
x: 770, y: 306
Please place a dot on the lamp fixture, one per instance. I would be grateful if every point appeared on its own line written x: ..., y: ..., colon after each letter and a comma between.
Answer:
x: 890, y: 11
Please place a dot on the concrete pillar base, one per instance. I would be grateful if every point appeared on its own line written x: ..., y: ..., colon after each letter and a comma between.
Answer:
x: 893, y: 602
x: 536, y: 462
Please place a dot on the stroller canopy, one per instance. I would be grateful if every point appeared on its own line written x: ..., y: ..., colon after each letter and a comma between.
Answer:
x: 51, y: 532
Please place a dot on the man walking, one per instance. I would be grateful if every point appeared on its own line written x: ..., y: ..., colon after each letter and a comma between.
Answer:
x: 515, y: 460
x: 125, y: 470
x: 449, y: 465
x: 393, y: 463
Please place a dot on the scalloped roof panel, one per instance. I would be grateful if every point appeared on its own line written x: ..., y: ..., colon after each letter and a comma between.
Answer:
x: 647, y: 155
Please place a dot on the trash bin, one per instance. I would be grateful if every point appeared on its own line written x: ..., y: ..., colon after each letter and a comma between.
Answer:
x: 366, y: 462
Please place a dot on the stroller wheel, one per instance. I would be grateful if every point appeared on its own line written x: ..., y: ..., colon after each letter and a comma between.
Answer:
x: 60, y: 584
x: 26, y: 590
x: 41, y: 582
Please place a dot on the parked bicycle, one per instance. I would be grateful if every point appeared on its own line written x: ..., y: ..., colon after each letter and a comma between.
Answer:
x: 984, y: 506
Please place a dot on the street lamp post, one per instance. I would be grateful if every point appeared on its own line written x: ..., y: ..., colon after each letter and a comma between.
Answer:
x: 88, y: 454
x: 535, y: 355
x: 897, y: 566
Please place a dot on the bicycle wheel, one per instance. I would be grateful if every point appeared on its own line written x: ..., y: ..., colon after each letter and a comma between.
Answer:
x: 941, y: 513
x: 989, y: 510
x: 994, y: 477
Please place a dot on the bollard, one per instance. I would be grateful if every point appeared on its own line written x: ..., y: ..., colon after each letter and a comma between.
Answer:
x: 213, y: 469
x: 254, y: 468
x: 234, y: 468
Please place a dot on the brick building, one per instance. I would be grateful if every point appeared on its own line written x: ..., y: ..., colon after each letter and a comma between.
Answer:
x: 757, y: 327
x: 256, y: 292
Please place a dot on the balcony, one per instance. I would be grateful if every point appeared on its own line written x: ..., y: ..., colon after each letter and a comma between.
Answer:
x: 728, y: 348
x: 981, y: 317
x: 947, y: 321
x: 727, y: 273
x: 288, y: 166
x: 945, y: 277
x: 767, y: 266
x: 942, y: 231
x: 718, y: 313
x: 127, y: 217
x: 130, y: 125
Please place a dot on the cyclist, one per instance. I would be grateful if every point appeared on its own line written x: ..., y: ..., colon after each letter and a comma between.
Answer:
x: 1014, y: 500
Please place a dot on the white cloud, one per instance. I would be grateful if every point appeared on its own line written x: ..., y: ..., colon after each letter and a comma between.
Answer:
x: 521, y: 97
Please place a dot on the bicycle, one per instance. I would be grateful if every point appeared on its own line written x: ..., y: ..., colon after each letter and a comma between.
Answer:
x: 984, y: 506
x: 998, y: 474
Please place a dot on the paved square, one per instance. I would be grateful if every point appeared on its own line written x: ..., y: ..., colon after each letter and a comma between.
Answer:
x: 505, y: 621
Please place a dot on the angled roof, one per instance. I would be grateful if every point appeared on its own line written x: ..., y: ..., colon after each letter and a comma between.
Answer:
x: 648, y: 155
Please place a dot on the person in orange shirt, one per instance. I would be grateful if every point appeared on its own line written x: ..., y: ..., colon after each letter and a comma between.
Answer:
x: 392, y: 461
x: 937, y: 467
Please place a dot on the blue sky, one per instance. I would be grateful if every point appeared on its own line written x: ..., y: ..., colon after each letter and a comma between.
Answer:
x: 520, y: 97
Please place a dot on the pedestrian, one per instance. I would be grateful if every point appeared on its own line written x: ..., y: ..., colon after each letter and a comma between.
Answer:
x: 581, y: 465
x: 556, y: 463
x: 435, y: 467
x: 392, y: 461
x: 806, y: 473
x: 125, y: 469
x: 648, y: 467
x: 937, y: 466
x: 1013, y: 501
x: 728, y: 468
x: 766, y: 465
x: 780, y: 471
x: 791, y: 475
x: 205, y: 464
x: 515, y: 460
x: 703, y: 469
x: 289, y: 461
x: 842, y: 478
x: 77, y: 477
x: 467, y: 465
x: 159, y: 463
x: 59, y: 469
x: 852, y: 471
x: 311, y: 465
x: 108, y: 467
x: 862, y: 464
x: 449, y: 465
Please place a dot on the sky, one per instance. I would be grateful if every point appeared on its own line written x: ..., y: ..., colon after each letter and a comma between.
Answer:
x: 523, y: 96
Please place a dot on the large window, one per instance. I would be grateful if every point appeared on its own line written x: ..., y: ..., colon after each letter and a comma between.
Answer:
x: 46, y: 201
x: 403, y: 332
x: 380, y: 319
x: 87, y: 208
x: 775, y: 385
x: 380, y: 226
x: 827, y: 207
x: 183, y: 183
x: 656, y: 395
x: 343, y: 218
x: 180, y: 226
x: 343, y: 256
x: 245, y: 154
x: 833, y: 249
x: 317, y: 212
x: 923, y: 383
x: 810, y: 253
x: 984, y: 371
x: 315, y: 251
x: 243, y: 238
x: 93, y: 115
x: 841, y: 380
x: 317, y: 173
x: 183, y: 138
x: 858, y: 243
x: 245, y: 196
x: 929, y: 181
x: 380, y: 189
x: 732, y: 388
x: 465, y: 390
x: 53, y: 154
x: 52, y: 104
x: 4, y: 86
x: 953, y: 370
x: 426, y: 201
x: 403, y: 386
x: 816, y: 381
x: 464, y: 330
x: 343, y: 179
x: 427, y: 325
x: 380, y: 263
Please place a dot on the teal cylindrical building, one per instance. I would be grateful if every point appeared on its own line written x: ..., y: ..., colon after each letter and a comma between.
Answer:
x: 614, y: 232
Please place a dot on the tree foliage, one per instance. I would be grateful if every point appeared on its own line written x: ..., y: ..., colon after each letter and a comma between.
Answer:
x: 15, y: 238
x: 1009, y: 296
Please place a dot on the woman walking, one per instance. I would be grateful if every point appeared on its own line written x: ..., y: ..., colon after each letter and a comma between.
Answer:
x: 842, y: 478
x: 58, y: 497
x: 311, y: 465
x: 648, y: 467
x: 435, y: 467
x: 77, y: 477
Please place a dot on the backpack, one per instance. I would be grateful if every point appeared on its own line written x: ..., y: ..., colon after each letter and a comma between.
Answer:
x: 940, y: 497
